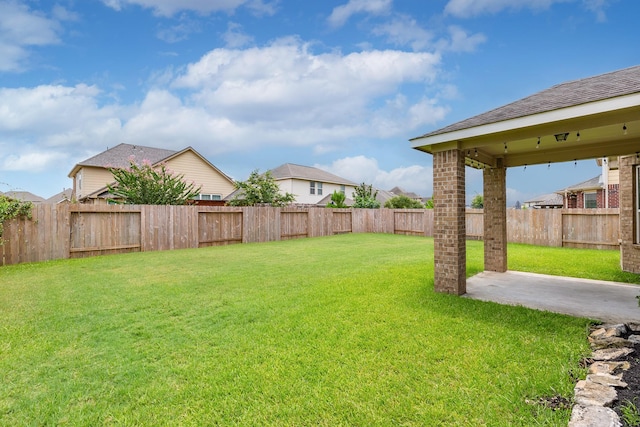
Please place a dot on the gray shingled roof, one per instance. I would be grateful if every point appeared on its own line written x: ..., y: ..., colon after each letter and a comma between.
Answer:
x: 64, y: 195
x: 553, y: 199
x: 24, y: 196
x: 590, y: 184
x: 118, y: 156
x: 307, y: 173
x: 568, y: 94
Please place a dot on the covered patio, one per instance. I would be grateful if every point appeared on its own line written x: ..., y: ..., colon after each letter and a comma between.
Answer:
x: 582, y: 119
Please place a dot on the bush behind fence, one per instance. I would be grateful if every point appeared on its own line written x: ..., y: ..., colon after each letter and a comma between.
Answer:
x: 73, y: 231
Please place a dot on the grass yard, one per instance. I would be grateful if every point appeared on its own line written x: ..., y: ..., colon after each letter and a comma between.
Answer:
x: 334, y: 331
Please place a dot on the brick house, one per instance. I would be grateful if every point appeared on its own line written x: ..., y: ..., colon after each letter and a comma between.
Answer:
x: 601, y: 191
x: 575, y: 120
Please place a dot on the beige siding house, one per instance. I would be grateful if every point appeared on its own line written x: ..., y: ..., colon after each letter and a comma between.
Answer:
x: 310, y: 185
x: 91, y: 176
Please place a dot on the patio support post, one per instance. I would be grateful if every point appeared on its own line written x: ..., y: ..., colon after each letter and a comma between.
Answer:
x: 629, y: 249
x: 449, y: 232
x: 495, y: 218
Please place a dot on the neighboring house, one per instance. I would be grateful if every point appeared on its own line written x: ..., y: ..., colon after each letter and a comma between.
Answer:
x: 598, y: 192
x: 23, y: 196
x: 545, y: 201
x: 310, y: 185
x: 398, y: 191
x: 91, y: 176
x: 64, y: 196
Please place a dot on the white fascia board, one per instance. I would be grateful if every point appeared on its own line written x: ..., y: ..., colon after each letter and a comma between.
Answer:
x: 597, y: 107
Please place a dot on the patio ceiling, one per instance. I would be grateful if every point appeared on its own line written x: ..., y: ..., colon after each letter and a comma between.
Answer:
x: 598, y: 108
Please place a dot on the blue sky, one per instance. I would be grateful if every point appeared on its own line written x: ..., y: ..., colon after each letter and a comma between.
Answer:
x: 252, y: 84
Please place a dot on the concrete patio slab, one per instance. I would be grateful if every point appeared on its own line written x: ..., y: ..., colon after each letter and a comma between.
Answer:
x: 594, y: 299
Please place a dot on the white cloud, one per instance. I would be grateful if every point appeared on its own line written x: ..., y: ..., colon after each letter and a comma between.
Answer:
x: 20, y: 29
x: 597, y: 7
x: 460, y: 41
x: 180, y: 31
x: 471, y: 8
x: 280, y: 95
x: 235, y: 37
x: 288, y: 93
x: 45, y: 123
x: 31, y: 161
x: 403, y: 30
x: 168, y: 8
x: 416, y: 178
x: 341, y: 14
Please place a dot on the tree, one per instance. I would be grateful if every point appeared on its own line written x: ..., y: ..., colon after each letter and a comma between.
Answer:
x: 477, y: 202
x: 12, y: 208
x: 337, y: 200
x: 148, y: 185
x: 260, y: 189
x: 429, y: 203
x: 365, y: 197
x: 403, y: 202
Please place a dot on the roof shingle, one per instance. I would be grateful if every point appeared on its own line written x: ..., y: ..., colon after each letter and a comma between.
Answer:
x: 118, y: 156
x: 564, y: 95
x: 307, y: 173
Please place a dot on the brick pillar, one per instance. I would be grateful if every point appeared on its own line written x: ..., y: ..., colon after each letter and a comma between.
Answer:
x: 449, y: 232
x: 495, y: 219
x: 629, y: 252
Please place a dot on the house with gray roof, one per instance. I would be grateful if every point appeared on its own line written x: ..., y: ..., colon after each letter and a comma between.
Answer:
x: 91, y: 176
x: 23, y: 196
x: 544, y: 201
x: 311, y: 185
x: 65, y: 196
x: 599, y: 192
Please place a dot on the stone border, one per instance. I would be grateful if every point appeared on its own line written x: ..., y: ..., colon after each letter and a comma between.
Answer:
x: 595, y: 395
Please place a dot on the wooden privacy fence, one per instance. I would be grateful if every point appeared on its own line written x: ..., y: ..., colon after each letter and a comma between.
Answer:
x: 74, y: 231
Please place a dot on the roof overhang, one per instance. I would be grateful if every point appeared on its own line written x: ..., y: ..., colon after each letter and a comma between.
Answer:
x: 600, y: 125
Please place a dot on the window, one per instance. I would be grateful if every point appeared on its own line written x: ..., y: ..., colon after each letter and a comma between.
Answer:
x: 208, y: 197
x: 315, y: 188
x: 342, y: 189
x: 590, y: 200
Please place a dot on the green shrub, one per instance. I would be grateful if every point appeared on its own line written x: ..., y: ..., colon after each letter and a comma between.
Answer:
x: 12, y: 208
x: 403, y: 202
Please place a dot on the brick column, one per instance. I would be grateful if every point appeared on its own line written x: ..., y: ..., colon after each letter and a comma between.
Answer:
x: 495, y: 219
x: 629, y: 252
x: 449, y: 232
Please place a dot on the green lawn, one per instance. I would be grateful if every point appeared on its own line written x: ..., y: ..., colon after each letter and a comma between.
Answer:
x: 342, y: 330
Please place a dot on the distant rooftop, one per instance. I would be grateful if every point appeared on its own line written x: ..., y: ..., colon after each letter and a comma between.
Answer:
x: 307, y: 173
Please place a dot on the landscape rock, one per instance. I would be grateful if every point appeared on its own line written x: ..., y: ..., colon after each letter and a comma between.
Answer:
x: 596, y: 333
x: 634, y: 339
x: 588, y: 393
x: 610, y: 367
x: 616, y: 330
x: 611, y: 353
x: 634, y: 326
x: 609, y: 342
x: 606, y: 379
x: 593, y: 416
